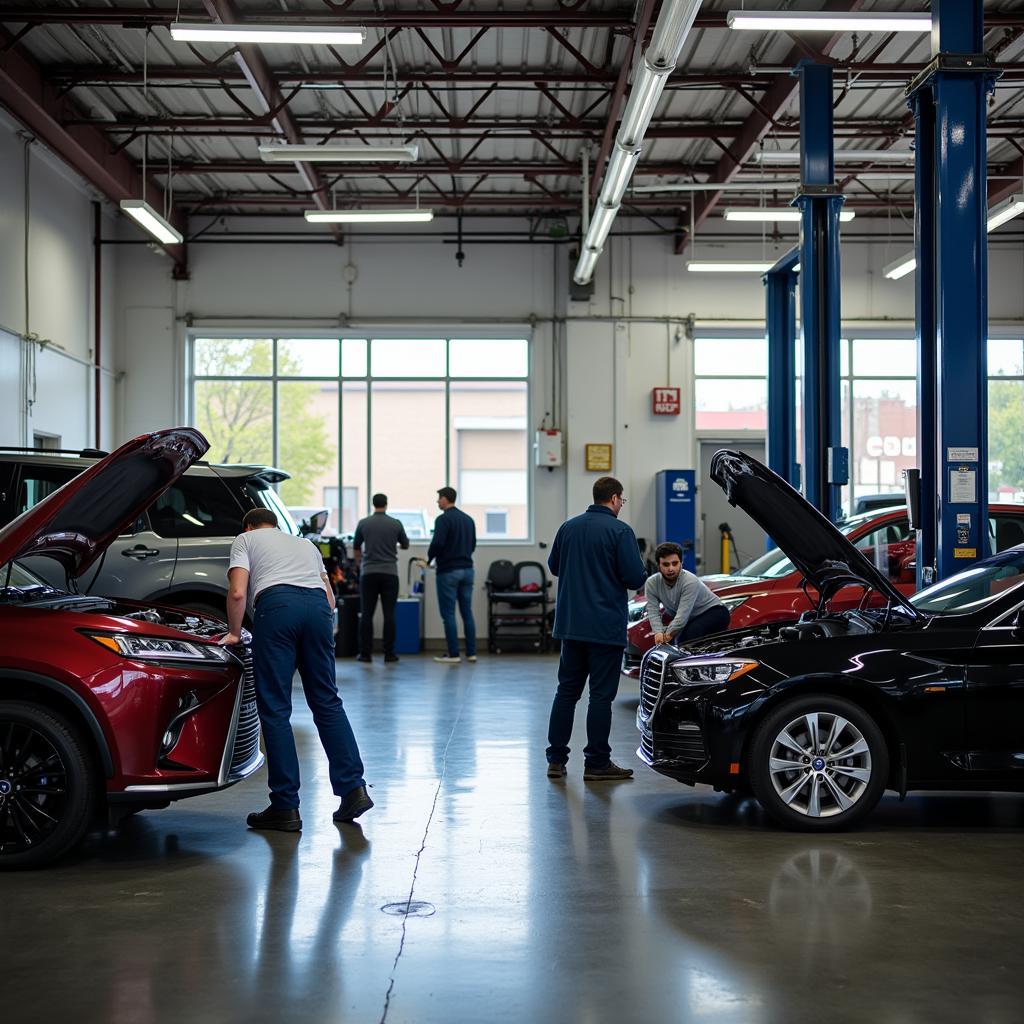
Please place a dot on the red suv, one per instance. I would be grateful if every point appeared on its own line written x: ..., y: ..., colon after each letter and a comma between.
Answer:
x: 108, y: 705
x: 769, y: 589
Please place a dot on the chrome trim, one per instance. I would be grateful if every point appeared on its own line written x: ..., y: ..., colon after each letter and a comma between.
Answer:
x: 994, y: 624
x: 654, y: 663
x: 170, y: 787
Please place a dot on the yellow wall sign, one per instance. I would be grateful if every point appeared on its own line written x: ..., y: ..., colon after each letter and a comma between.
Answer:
x: 599, y: 458
x: 965, y: 552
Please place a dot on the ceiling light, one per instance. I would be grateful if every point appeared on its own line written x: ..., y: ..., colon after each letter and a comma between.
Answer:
x: 392, y: 216
x: 1013, y: 207
x: 287, y: 154
x: 617, y: 174
x: 768, y: 214
x: 673, y: 26
x: 585, y: 265
x: 901, y: 267
x: 217, y: 32
x: 644, y: 94
x: 729, y: 266
x: 877, y: 156
x: 147, y: 218
x: 600, y: 226
x: 825, y: 21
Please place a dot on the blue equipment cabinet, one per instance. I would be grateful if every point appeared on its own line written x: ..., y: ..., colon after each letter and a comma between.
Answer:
x: 676, y: 515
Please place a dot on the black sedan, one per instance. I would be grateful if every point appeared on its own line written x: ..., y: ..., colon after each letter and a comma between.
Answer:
x: 820, y: 716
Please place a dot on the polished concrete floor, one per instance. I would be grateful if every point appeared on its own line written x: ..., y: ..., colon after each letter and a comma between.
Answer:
x: 562, y: 902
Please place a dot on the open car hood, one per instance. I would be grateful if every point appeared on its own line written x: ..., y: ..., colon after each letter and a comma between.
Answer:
x: 77, y: 523
x: 823, y: 556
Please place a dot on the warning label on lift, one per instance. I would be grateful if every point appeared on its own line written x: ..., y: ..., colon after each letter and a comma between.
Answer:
x: 965, y: 552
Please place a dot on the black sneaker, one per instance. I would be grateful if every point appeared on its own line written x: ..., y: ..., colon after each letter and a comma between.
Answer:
x: 390, y: 659
x: 609, y: 773
x: 355, y: 803
x: 556, y: 771
x: 278, y: 819
x: 364, y: 657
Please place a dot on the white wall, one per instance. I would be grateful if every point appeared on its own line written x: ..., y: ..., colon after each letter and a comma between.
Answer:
x: 47, y: 384
x: 628, y: 339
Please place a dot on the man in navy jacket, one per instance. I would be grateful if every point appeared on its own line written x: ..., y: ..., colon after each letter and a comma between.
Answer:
x: 597, y: 562
x: 451, y: 549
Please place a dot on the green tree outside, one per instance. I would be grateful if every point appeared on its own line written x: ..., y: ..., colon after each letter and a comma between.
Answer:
x: 237, y: 416
x: 1006, y: 433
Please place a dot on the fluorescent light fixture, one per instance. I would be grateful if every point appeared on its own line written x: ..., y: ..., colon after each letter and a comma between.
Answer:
x: 729, y: 266
x: 392, y: 216
x: 600, y: 226
x: 621, y: 165
x: 585, y: 265
x: 148, y: 219
x: 877, y: 156
x: 825, y: 21
x: 288, y: 154
x: 644, y: 94
x: 901, y: 267
x: 1013, y: 207
x: 218, y: 32
x: 768, y: 214
x: 670, y: 32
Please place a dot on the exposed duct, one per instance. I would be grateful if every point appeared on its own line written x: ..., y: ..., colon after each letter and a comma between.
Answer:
x: 658, y: 62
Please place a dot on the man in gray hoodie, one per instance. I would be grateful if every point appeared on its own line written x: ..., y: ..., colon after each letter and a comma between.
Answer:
x: 694, y: 609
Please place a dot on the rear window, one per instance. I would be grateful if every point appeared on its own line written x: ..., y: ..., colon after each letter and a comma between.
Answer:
x: 196, y: 507
x: 262, y: 494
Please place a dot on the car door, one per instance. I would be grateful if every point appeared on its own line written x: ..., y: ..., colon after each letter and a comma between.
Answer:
x: 995, y: 696
x: 136, y: 566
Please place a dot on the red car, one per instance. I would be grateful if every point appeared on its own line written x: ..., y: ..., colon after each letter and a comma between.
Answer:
x: 108, y: 706
x: 769, y: 589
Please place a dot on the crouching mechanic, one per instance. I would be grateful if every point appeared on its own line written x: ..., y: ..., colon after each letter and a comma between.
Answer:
x: 694, y: 609
x: 284, y: 580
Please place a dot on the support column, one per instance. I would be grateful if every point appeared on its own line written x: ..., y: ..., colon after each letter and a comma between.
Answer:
x: 825, y: 461
x: 948, y: 98
x: 780, y: 322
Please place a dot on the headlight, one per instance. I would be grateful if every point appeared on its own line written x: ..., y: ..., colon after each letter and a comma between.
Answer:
x: 148, y: 648
x: 732, y: 603
x: 708, y: 671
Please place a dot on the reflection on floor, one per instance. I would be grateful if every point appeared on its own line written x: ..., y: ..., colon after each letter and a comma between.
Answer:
x: 639, y: 901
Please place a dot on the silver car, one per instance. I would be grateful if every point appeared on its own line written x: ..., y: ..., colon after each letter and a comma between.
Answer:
x: 176, y: 552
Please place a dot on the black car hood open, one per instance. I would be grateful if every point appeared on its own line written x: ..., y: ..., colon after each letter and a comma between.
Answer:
x: 825, y: 558
x: 77, y: 523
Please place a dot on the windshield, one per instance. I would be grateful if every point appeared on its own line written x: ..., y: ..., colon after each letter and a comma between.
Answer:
x: 19, y: 577
x: 974, y: 588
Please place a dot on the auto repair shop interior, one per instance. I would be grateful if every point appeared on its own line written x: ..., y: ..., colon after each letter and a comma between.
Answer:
x: 760, y: 261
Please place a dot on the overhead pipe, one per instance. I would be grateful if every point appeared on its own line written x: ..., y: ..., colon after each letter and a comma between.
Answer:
x: 659, y: 61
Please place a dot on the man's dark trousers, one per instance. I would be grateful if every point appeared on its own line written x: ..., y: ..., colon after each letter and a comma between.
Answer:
x: 373, y: 585
x: 603, y: 664
x: 292, y: 628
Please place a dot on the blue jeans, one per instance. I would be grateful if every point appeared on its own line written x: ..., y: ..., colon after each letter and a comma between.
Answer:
x: 457, y: 585
x: 292, y: 629
x: 602, y: 663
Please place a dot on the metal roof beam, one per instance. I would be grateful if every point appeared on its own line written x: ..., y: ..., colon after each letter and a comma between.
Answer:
x: 35, y: 102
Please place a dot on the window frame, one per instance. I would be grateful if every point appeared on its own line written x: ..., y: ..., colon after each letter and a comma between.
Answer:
x: 370, y: 333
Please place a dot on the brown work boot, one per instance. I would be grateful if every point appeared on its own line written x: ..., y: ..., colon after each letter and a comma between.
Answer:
x: 611, y: 772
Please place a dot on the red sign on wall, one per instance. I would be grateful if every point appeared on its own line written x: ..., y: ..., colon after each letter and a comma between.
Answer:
x: 666, y: 401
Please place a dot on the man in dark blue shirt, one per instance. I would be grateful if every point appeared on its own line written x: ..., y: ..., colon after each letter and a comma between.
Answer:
x: 597, y: 561
x: 451, y: 549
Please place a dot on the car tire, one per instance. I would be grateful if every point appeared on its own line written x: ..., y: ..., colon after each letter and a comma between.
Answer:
x: 41, y: 750
x: 820, y: 793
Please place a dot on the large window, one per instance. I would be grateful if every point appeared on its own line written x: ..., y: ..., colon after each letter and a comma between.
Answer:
x: 731, y: 383
x: 1006, y: 420
x: 350, y: 417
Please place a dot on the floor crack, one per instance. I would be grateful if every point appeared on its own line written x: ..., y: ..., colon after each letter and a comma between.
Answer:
x: 416, y: 865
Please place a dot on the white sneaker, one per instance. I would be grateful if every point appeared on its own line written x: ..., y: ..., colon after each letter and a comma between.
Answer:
x: 470, y: 657
x: 447, y: 659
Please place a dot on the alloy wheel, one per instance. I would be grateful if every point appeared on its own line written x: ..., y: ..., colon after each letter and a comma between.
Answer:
x: 820, y: 764
x: 33, y: 787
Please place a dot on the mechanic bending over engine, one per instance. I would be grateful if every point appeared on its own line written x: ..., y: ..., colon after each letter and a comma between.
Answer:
x: 694, y: 609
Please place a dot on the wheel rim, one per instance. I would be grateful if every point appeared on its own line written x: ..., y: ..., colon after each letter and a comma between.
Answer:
x: 820, y: 764
x: 33, y: 787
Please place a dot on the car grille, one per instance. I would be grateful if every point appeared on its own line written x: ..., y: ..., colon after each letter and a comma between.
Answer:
x: 247, y: 735
x: 686, y: 747
x: 652, y: 677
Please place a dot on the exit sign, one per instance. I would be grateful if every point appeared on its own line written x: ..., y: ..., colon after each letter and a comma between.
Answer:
x: 666, y: 401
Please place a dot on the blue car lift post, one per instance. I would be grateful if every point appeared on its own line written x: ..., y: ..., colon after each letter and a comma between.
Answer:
x: 780, y: 324
x: 948, y: 101
x: 825, y: 461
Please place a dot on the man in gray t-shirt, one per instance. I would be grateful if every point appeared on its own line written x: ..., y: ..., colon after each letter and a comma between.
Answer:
x: 375, y: 545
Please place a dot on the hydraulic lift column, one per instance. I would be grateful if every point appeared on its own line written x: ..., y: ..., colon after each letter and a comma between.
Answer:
x: 948, y: 100
x: 780, y: 323
x: 825, y: 461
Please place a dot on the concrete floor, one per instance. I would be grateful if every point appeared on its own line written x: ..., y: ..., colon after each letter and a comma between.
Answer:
x: 638, y: 901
